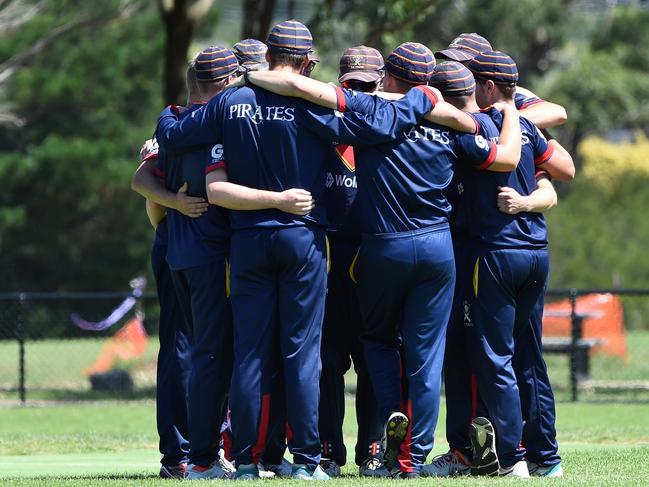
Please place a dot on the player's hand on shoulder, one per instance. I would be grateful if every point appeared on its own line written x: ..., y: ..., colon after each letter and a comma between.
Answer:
x: 296, y: 201
x: 510, y: 201
x: 503, y: 106
x: 190, y: 206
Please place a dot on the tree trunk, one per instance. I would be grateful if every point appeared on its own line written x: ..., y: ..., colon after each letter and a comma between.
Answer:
x: 257, y: 18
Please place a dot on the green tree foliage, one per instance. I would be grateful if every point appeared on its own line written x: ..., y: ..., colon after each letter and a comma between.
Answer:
x: 85, y: 102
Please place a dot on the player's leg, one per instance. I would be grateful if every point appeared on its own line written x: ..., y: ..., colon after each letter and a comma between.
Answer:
x: 384, y: 271
x: 460, y: 386
x: 337, y: 337
x: 300, y: 256
x: 426, y: 313
x: 211, y: 361
x: 273, y: 457
x: 537, y: 398
x: 493, y: 313
x: 173, y: 369
x: 254, y: 306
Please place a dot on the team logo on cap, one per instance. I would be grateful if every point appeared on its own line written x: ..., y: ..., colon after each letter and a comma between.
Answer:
x: 355, y: 62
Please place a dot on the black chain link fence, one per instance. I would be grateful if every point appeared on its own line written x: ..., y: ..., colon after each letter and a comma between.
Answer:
x: 44, y: 356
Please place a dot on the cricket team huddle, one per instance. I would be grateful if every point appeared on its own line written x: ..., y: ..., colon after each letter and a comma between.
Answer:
x: 394, y: 220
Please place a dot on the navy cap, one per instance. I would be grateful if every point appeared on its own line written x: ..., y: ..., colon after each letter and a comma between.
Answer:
x: 361, y: 63
x: 452, y: 79
x: 411, y: 62
x: 251, y: 54
x: 496, y: 66
x: 290, y: 36
x: 215, y: 63
x: 465, y: 47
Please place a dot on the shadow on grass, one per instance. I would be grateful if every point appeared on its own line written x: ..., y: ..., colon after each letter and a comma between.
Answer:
x: 80, y: 395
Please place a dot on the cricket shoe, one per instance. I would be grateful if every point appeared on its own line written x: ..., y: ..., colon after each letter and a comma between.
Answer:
x: 330, y: 467
x: 518, y: 470
x: 213, y: 471
x: 303, y: 472
x: 396, y: 430
x: 226, y: 464
x: 373, y: 467
x: 537, y: 470
x: 281, y: 470
x: 173, y: 471
x: 483, y: 443
x: 451, y: 464
x: 247, y: 472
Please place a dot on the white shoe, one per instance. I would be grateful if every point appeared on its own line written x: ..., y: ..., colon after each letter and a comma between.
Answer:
x: 225, y: 464
x: 451, y: 464
x: 214, y: 471
x: 483, y: 443
x: 537, y: 470
x: 518, y: 470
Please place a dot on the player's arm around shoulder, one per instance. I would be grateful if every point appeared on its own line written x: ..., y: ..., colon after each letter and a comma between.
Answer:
x: 553, y: 158
x: 542, y: 113
x: 508, y: 149
x: 237, y: 197
x: 293, y: 84
x: 543, y: 198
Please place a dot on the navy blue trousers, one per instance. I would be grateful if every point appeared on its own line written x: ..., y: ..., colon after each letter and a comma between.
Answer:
x: 462, y: 399
x: 507, y: 284
x: 405, y: 286
x: 279, y: 279
x: 174, y: 366
x: 537, y: 398
x: 203, y: 297
x: 340, y: 345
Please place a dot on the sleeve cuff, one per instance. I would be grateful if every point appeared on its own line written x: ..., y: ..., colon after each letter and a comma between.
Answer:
x: 477, y: 125
x: 529, y: 103
x: 490, y: 158
x: 150, y: 156
x: 158, y: 173
x: 540, y: 173
x: 214, y: 167
x: 545, y: 157
x: 432, y: 97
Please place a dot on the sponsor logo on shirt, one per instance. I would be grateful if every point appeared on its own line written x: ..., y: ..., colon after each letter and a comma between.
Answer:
x: 340, y: 181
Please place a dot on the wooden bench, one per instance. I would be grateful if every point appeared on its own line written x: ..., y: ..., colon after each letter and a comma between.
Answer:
x: 565, y: 346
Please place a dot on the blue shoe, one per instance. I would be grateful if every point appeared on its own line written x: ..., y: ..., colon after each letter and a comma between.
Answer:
x: 302, y: 472
x: 537, y: 470
x: 247, y: 472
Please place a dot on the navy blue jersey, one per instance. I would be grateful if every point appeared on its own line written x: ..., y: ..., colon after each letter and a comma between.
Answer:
x: 402, y: 183
x: 343, y: 209
x: 193, y: 241
x: 277, y: 143
x: 484, y: 222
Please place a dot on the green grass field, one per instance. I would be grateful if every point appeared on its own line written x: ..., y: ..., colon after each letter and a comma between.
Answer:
x: 115, y: 443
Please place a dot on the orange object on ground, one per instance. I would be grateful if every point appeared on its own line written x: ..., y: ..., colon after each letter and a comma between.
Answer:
x: 603, y: 317
x: 128, y: 343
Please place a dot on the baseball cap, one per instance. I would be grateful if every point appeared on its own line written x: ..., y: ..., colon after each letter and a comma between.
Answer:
x: 452, y: 79
x: 496, y: 66
x: 361, y: 63
x: 215, y: 63
x: 465, y: 47
x: 251, y: 54
x: 290, y: 36
x: 411, y: 62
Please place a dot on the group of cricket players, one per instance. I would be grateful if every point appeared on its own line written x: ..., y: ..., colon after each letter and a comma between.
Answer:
x: 393, y: 220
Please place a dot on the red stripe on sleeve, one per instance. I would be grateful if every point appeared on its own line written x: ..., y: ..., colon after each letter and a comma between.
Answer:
x: 158, y: 173
x: 545, y: 157
x: 530, y: 103
x: 429, y: 94
x: 540, y: 173
x: 490, y: 158
x: 477, y: 125
x: 149, y: 156
x: 214, y: 167
x: 340, y: 99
